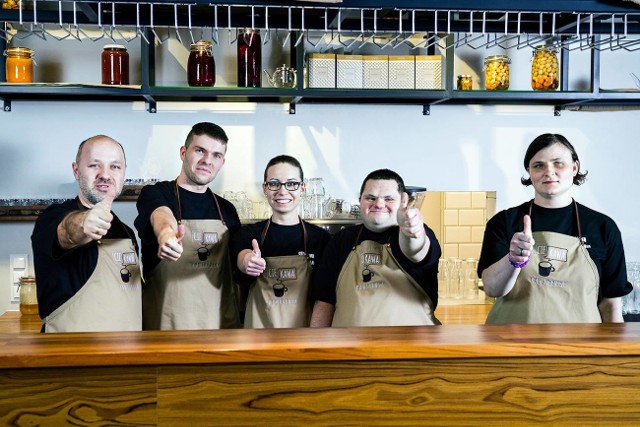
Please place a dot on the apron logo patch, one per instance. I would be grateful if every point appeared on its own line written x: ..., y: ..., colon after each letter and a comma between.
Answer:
x: 280, y: 275
x: 371, y: 259
x: 553, y: 253
x: 205, y: 237
x: 125, y: 259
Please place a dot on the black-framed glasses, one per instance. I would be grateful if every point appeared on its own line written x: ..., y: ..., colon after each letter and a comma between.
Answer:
x: 276, y: 185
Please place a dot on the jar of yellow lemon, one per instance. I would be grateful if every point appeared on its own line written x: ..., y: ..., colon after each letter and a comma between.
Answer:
x: 544, y: 68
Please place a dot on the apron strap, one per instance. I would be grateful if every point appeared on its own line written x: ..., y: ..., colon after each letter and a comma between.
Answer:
x: 263, y: 235
x: 575, y: 208
x: 178, y: 214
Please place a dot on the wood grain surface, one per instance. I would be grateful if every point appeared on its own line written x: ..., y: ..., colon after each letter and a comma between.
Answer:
x: 474, y: 375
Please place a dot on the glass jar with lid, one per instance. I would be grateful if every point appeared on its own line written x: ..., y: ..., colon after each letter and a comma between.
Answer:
x: 115, y: 65
x: 201, y: 67
x: 465, y: 82
x: 496, y: 72
x: 544, y: 68
x: 28, y: 295
x: 19, y: 65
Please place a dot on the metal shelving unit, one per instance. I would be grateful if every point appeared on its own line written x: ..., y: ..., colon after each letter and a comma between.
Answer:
x: 569, y: 24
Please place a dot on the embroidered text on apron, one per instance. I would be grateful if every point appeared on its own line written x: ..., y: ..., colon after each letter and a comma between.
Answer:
x: 559, y: 284
x: 374, y: 290
x: 111, y: 298
x: 196, y: 291
x: 280, y: 296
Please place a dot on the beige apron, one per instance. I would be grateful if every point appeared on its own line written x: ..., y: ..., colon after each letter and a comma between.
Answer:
x: 374, y: 290
x: 280, y: 296
x: 111, y: 298
x: 559, y: 284
x: 196, y: 291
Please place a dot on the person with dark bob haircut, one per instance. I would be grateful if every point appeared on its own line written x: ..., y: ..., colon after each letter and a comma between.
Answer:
x: 551, y: 259
x: 383, y: 272
x: 276, y: 256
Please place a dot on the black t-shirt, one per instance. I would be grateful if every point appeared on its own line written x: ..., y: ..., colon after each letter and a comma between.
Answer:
x: 281, y: 240
x: 193, y: 206
x: 61, y: 273
x: 425, y: 273
x: 599, y: 232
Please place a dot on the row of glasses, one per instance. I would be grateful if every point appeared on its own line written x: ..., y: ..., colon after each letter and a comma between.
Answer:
x: 631, y: 301
x: 243, y: 205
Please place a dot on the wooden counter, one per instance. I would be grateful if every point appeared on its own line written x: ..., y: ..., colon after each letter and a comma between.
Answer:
x: 441, y: 375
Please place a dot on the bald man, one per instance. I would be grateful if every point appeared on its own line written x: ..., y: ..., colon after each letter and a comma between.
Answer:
x: 86, y: 260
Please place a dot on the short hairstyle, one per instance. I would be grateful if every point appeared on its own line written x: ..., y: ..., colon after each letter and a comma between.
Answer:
x: 283, y: 158
x: 81, y: 146
x: 384, y: 174
x: 212, y: 130
x: 547, y: 140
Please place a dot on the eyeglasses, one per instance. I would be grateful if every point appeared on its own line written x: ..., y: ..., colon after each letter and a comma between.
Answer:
x: 289, y: 185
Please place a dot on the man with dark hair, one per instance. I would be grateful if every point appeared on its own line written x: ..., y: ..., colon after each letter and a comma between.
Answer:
x: 85, y: 258
x: 383, y: 272
x: 185, y: 230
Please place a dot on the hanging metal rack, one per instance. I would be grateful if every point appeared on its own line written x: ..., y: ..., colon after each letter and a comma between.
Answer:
x: 341, y: 25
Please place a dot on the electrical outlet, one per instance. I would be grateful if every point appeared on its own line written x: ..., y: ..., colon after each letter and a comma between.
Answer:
x: 18, y: 267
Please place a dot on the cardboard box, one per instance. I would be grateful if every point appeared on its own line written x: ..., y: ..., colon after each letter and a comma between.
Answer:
x: 375, y: 72
x: 402, y: 72
x: 322, y: 70
x: 349, y: 71
x: 429, y: 72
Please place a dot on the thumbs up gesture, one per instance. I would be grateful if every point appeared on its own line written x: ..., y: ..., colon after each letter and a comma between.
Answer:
x: 170, y: 243
x: 410, y: 219
x: 97, y: 220
x: 252, y: 261
x: 522, y: 242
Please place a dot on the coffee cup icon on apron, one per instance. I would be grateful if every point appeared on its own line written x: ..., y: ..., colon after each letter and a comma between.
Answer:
x: 545, y: 268
x: 279, y: 289
x: 125, y: 274
x: 203, y: 253
x: 367, y: 274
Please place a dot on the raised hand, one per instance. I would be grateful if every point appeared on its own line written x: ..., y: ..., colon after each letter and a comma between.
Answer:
x: 253, y: 262
x: 410, y: 219
x: 170, y: 243
x: 522, y: 242
x: 97, y: 220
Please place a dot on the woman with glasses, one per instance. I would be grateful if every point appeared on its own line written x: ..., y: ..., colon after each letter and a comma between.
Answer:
x: 276, y: 256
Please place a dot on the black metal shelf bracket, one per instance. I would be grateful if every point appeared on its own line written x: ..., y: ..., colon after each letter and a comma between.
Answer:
x: 292, y: 108
x: 426, y: 110
x: 7, y: 106
x: 557, y: 110
x: 152, y: 105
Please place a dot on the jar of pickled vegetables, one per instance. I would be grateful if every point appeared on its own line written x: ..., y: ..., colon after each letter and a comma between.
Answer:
x: 19, y: 65
x: 496, y: 72
x: 544, y: 68
x: 465, y: 82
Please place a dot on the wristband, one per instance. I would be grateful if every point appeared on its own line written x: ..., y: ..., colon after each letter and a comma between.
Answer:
x: 516, y: 265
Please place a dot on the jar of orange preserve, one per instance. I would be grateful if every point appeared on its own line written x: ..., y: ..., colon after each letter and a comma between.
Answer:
x: 19, y: 65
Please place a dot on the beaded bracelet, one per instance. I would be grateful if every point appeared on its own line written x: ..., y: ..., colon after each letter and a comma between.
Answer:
x: 518, y: 265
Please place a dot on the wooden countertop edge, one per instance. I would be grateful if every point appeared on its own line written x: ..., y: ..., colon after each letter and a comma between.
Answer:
x: 152, y: 348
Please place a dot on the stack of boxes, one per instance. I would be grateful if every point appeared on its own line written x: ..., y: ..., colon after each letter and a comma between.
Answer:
x: 374, y: 71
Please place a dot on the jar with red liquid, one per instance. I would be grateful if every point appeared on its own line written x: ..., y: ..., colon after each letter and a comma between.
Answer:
x: 115, y: 65
x: 201, y: 68
x: 249, y: 58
